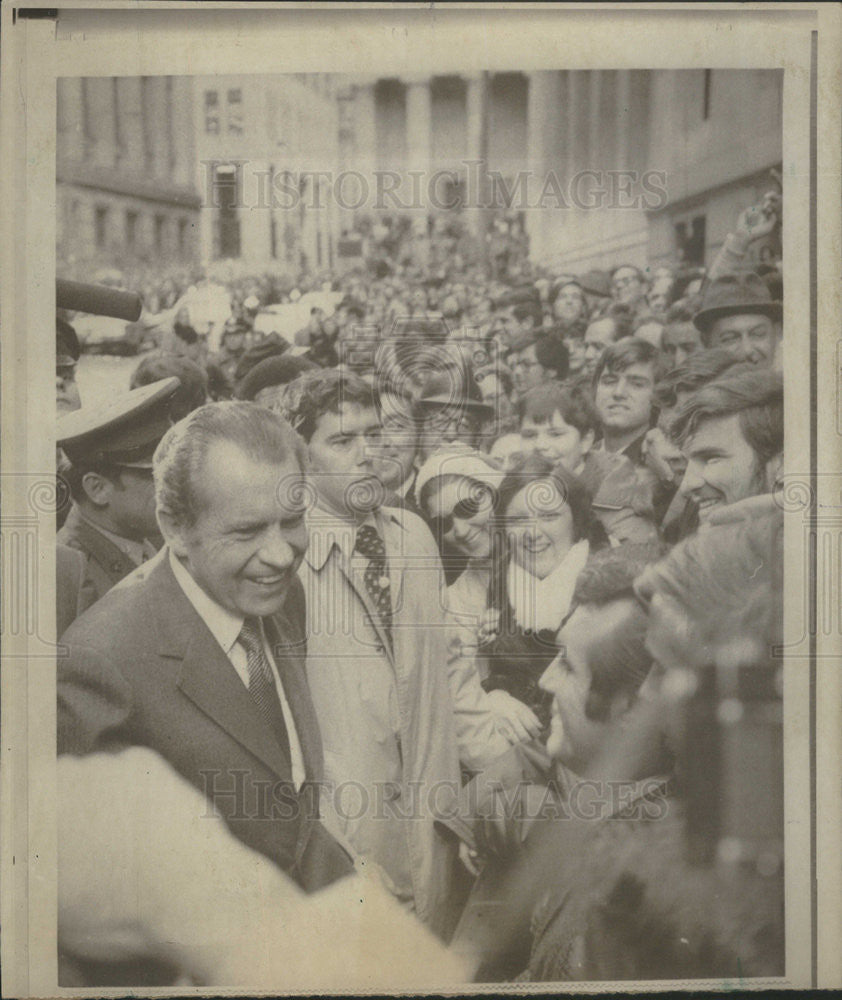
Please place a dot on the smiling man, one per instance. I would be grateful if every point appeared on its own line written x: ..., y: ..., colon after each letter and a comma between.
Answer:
x: 731, y: 432
x: 739, y: 315
x: 199, y: 655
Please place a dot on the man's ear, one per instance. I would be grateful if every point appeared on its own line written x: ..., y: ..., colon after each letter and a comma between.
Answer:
x: 98, y: 489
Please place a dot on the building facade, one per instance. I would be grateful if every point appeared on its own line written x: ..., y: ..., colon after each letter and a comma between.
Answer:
x: 600, y: 166
x: 267, y: 152
x: 125, y: 172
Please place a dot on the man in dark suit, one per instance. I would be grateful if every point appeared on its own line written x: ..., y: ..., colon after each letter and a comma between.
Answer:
x: 199, y: 655
x: 112, y: 520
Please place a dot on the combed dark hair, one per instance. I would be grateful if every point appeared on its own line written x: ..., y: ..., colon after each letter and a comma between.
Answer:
x: 551, y: 353
x: 623, y: 317
x: 755, y: 394
x: 619, y: 356
x: 315, y: 393
x: 179, y: 458
x: 618, y: 660
x: 728, y: 582
x: 527, y: 310
x: 533, y: 469
x: 574, y: 403
x: 699, y: 369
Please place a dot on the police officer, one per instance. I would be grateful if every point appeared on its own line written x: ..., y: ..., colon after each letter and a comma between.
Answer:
x: 112, y: 520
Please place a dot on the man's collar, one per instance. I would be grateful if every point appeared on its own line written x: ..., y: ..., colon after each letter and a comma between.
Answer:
x: 328, y: 530
x: 223, y: 624
x: 136, y: 551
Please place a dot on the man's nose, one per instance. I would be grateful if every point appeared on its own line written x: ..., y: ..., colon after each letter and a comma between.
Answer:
x: 550, y: 676
x: 620, y: 389
x: 277, y: 549
x: 364, y: 453
x: 461, y: 527
x: 692, y: 480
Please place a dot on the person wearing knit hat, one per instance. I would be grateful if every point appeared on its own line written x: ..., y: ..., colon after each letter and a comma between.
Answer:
x: 457, y: 488
x: 265, y: 383
x: 271, y: 345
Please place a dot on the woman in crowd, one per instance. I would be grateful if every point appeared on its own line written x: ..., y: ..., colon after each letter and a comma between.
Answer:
x: 570, y: 308
x: 550, y: 530
x: 457, y: 490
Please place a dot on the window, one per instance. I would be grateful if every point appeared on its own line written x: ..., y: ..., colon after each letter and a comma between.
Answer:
x: 183, y: 235
x: 131, y: 228
x: 160, y: 232
x: 690, y: 241
x: 147, y: 98
x: 169, y: 103
x: 119, y: 138
x: 211, y: 112
x: 101, y: 225
x: 226, y: 186
x: 235, y: 111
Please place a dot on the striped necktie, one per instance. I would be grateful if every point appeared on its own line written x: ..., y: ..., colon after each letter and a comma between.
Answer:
x: 261, y: 680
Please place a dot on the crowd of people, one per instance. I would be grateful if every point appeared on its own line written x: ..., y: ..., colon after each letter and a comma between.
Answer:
x: 469, y: 588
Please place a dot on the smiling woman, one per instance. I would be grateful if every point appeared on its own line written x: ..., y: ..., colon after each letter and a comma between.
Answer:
x: 548, y: 533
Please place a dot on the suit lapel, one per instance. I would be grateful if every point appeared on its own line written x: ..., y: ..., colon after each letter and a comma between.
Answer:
x: 206, y: 675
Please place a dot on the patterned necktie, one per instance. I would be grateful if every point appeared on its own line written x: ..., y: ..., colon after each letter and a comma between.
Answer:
x: 376, y: 576
x: 262, y: 682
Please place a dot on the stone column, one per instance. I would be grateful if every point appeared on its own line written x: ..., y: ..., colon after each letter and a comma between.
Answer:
x: 624, y: 119
x: 476, y: 188
x: 418, y: 129
x: 595, y: 123
x: 544, y: 118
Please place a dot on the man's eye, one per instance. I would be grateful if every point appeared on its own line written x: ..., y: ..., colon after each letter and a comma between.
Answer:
x: 245, y: 533
x: 528, y: 435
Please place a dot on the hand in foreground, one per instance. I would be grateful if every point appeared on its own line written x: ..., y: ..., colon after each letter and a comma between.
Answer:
x: 515, y: 720
x: 469, y: 858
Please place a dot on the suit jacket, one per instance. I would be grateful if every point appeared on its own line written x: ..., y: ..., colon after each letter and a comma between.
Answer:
x: 106, y: 564
x: 144, y: 669
x: 386, y: 711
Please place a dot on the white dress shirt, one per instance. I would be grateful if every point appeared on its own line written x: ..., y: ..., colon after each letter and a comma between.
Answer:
x: 225, y: 628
